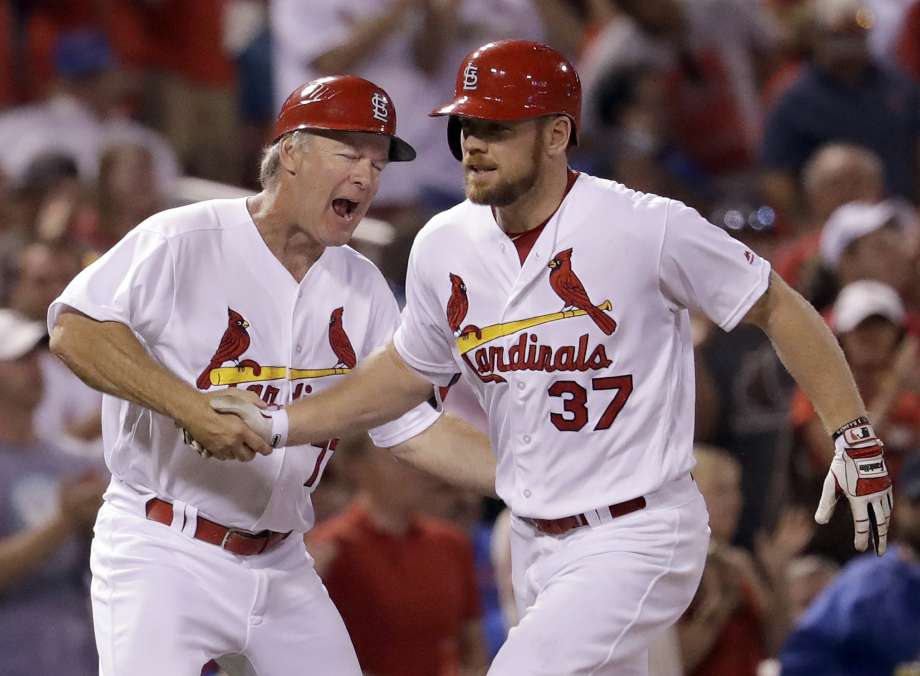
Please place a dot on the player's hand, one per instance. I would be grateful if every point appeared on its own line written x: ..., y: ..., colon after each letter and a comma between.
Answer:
x: 257, y: 419
x: 858, y: 471
x: 224, y: 437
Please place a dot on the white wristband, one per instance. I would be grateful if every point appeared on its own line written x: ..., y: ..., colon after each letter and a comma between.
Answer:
x: 279, y: 428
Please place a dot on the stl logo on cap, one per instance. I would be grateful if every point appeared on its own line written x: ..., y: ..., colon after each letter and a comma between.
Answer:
x: 470, y: 76
x: 380, y: 106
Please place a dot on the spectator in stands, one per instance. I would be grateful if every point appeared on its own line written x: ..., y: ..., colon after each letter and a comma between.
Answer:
x: 708, y: 49
x: 869, y: 241
x: 191, y: 81
x: 808, y: 576
x: 80, y: 117
x: 68, y: 414
x: 42, y: 205
x: 48, y: 502
x: 126, y: 194
x: 837, y: 173
x: 403, y: 582
x: 843, y: 95
x: 739, y: 616
x: 639, y: 150
x: 867, y: 621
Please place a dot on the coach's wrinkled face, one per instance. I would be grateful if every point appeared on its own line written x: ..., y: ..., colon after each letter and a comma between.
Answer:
x: 501, y: 160
x: 337, y: 175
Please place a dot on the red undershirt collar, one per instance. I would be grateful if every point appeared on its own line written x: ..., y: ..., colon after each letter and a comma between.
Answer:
x: 524, y: 241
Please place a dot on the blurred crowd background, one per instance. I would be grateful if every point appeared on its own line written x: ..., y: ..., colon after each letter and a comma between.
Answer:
x: 792, y: 124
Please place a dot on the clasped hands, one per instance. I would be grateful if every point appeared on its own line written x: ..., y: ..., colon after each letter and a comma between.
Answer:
x: 234, y: 425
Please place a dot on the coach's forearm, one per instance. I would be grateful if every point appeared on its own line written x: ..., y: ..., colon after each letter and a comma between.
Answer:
x: 381, y: 389
x: 454, y: 451
x: 810, y: 353
x: 108, y: 357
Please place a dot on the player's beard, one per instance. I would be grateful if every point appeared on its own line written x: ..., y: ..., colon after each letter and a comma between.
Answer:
x: 504, y: 193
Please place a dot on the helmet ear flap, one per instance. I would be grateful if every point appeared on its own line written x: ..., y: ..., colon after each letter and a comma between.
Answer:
x: 453, y: 137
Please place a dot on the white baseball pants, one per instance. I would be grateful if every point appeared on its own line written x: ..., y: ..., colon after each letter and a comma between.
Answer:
x: 593, y: 600
x: 165, y: 603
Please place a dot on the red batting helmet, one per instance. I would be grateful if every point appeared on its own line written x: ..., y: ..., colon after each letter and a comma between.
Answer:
x: 343, y: 103
x: 513, y: 80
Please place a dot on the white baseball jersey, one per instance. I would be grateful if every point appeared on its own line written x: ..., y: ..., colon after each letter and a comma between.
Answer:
x: 585, y: 368
x: 210, y: 302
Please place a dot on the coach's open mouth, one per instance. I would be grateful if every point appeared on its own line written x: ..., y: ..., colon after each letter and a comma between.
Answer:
x: 344, y: 208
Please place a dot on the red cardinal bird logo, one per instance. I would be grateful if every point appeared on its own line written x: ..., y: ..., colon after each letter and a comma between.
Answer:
x: 457, y: 307
x: 339, y: 341
x: 233, y: 344
x: 570, y: 289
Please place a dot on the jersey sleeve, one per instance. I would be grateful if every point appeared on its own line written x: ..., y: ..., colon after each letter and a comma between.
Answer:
x: 422, y: 338
x: 384, y: 321
x: 133, y: 284
x: 701, y: 268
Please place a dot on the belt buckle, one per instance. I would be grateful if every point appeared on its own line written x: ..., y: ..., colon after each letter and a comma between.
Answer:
x: 231, y: 531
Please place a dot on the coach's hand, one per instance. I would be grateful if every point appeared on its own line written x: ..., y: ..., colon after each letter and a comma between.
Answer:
x: 270, y: 423
x: 858, y: 471
x: 224, y: 437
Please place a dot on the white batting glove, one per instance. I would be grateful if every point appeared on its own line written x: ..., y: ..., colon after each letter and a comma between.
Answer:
x: 858, y: 471
x: 271, y: 425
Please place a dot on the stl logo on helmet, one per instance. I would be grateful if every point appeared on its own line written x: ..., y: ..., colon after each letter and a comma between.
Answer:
x: 470, y: 76
x: 380, y: 107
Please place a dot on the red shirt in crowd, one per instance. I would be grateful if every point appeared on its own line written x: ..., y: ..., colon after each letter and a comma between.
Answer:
x: 405, y: 599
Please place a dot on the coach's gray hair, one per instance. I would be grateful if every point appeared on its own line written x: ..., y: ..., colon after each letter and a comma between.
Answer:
x: 270, y: 164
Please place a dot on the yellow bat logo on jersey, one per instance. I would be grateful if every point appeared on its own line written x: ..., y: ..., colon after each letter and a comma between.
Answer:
x: 472, y: 340
x: 236, y: 340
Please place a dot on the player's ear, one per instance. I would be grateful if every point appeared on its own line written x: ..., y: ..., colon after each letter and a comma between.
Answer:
x: 556, y: 132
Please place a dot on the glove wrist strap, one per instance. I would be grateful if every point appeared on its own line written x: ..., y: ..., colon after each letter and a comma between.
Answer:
x: 279, y: 428
x: 856, y: 422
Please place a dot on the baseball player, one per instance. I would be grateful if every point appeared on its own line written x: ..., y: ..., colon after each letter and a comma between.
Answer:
x: 194, y: 559
x: 564, y: 300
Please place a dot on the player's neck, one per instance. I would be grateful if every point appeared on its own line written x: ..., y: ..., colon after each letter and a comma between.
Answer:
x: 537, y: 204
x: 16, y: 425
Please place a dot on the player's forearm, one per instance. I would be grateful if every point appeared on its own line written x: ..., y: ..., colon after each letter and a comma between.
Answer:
x: 109, y: 358
x: 380, y: 390
x: 454, y: 451
x: 810, y: 353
